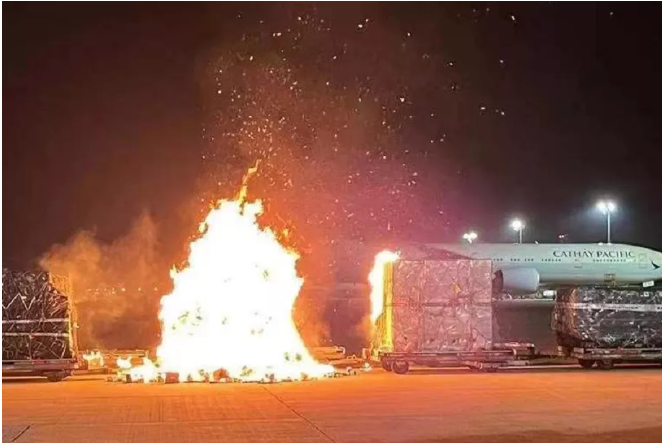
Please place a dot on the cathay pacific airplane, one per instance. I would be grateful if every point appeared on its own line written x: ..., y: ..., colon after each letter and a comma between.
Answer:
x: 524, y: 268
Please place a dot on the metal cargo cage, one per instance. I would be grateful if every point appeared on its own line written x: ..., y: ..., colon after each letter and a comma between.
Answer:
x: 37, y: 317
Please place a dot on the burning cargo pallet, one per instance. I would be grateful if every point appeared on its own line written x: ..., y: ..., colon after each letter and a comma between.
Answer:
x: 435, y: 306
x: 439, y: 313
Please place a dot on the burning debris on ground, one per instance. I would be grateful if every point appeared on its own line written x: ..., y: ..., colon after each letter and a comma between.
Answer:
x: 146, y: 371
x: 221, y: 376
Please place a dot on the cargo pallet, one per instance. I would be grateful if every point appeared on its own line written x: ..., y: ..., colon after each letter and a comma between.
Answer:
x: 606, y: 358
x: 483, y: 360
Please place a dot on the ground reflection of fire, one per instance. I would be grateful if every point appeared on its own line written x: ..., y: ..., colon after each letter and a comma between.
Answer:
x: 231, y: 307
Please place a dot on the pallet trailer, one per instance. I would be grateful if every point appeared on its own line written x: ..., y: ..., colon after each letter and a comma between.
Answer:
x: 53, y: 370
x: 483, y: 360
x: 606, y: 358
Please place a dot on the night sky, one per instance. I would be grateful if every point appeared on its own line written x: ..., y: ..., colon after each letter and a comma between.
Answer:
x: 372, y: 122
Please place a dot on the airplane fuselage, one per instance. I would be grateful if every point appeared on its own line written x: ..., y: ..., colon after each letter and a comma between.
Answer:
x: 569, y: 263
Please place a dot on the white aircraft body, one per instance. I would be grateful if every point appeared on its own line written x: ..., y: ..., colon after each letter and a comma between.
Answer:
x: 523, y: 268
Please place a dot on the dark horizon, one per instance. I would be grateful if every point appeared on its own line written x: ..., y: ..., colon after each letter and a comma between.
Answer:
x: 437, y: 119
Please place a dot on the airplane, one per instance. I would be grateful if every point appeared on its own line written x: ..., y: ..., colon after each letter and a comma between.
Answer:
x: 525, y: 268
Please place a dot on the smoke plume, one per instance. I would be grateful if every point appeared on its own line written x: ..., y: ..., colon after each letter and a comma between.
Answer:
x: 115, y: 285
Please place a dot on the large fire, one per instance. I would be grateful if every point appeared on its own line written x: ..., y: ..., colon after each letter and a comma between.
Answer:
x: 231, y: 307
x: 376, y: 279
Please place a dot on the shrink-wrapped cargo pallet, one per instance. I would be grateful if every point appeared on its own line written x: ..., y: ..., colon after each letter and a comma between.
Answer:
x: 434, y: 306
x: 608, y: 317
x: 36, y: 317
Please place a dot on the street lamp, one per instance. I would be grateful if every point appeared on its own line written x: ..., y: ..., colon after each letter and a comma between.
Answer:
x: 470, y: 236
x: 518, y: 225
x: 607, y: 207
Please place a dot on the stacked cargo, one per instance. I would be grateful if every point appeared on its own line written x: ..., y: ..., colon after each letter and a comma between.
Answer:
x: 608, y: 317
x: 36, y: 318
x: 434, y: 306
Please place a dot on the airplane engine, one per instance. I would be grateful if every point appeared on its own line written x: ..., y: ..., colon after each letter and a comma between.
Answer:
x: 517, y: 281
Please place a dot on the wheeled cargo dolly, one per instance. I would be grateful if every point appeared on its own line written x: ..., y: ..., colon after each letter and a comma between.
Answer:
x: 606, y: 358
x: 511, y: 354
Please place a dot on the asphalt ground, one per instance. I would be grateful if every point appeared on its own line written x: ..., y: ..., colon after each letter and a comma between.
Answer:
x: 556, y: 405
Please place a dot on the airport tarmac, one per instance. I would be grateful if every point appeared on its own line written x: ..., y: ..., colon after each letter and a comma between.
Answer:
x: 516, y: 406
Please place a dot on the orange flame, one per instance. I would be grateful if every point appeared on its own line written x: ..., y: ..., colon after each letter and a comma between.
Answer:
x: 94, y: 357
x: 145, y: 372
x: 376, y: 279
x: 123, y: 363
x: 231, y: 308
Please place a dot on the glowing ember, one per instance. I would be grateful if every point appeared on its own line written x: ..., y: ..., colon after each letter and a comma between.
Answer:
x: 376, y: 279
x: 231, y: 308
